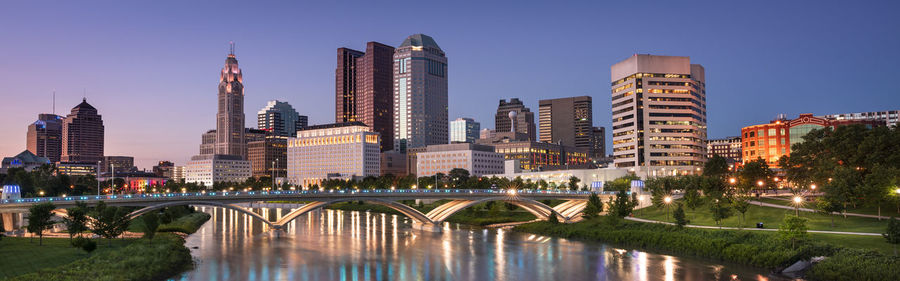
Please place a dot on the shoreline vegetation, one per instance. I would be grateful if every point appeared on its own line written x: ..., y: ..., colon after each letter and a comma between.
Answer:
x: 162, y: 257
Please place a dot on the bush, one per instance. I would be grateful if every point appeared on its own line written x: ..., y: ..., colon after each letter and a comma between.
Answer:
x: 79, y: 242
x: 186, y: 224
x: 89, y: 246
x: 854, y: 264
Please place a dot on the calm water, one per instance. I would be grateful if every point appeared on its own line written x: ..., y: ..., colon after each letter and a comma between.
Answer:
x: 340, y: 245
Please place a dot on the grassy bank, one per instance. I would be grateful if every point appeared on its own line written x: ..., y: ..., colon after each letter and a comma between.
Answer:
x: 887, y: 210
x: 139, y: 260
x: 19, y: 255
x: 770, y: 217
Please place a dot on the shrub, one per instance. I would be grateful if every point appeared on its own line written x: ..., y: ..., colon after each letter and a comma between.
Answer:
x: 854, y: 264
x: 89, y: 246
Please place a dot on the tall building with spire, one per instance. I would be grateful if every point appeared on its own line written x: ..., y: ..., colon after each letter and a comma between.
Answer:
x: 44, y: 137
x: 82, y: 135
x: 420, y: 93
x: 230, y: 117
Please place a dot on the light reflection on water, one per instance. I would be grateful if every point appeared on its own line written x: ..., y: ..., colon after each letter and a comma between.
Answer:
x: 339, y: 245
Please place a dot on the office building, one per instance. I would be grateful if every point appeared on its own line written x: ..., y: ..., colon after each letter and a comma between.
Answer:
x: 206, y: 170
x: 540, y: 156
x: 77, y: 169
x: 393, y: 163
x: 208, y: 143
x: 728, y: 148
x: 412, y: 159
x: 420, y: 93
x: 230, y: 115
x: 567, y: 121
x: 890, y: 117
x: 346, y: 151
x: 464, y: 130
x: 44, y: 137
x: 82, y: 135
x: 280, y: 119
x: 119, y: 163
x: 521, y: 121
x: 598, y: 143
x: 773, y: 140
x: 179, y: 173
x: 364, y: 83
x: 486, y: 134
x: 476, y: 159
x: 165, y: 169
x: 659, y: 114
x: 268, y: 157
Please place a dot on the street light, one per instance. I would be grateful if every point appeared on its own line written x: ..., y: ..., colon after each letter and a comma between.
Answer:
x: 797, y: 201
x: 732, y: 180
x: 813, y: 187
x: 667, y: 200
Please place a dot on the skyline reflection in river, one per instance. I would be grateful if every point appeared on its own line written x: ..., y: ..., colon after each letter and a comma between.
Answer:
x: 342, y: 245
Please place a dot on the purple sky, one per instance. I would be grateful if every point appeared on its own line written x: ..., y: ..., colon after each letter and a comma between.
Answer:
x: 151, y: 67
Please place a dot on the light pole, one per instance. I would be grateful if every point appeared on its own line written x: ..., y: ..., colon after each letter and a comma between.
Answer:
x: 98, y: 178
x: 667, y: 200
x: 797, y: 201
x: 273, y: 174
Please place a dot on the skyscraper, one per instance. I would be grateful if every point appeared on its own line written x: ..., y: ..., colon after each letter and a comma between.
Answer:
x: 659, y: 114
x: 464, y: 130
x: 363, y: 87
x: 44, y: 137
x: 230, y: 117
x: 82, y: 135
x: 599, y: 143
x: 420, y: 93
x: 524, y: 119
x: 280, y: 119
x: 567, y: 121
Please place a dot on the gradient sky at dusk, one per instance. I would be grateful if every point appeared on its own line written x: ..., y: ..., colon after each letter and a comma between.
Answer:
x: 151, y: 67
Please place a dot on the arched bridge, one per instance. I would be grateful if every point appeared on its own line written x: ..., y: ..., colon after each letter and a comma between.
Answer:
x: 574, y: 202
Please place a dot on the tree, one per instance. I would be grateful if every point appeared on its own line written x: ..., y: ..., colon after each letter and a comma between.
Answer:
x: 692, y: 199
x: 741, y: 204
x: 716, y: 167
x: 109, y: 222
x: 594, y: 207
x: 827, y: 205
x: 151, y: 224
x: 39, y: 219
x: 680, y: 220
x: 621, y: 206
x: 543, y: 184
x: 720, y: 211
x: 2, y: 228
x: 793, y: 228
x: 753, y: 173
x: 553, y: 219
x: 458, y: 175
x: 892, y: 234
x: 75, y: 220
x: 573, y: 183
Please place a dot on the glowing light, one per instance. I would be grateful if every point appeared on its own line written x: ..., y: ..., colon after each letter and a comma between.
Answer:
x: 732, y: 180
x: 512, y: 192
x: 759, y: 183
x: 798, y: 199
x: 668, y: 199
x: 813, y: 186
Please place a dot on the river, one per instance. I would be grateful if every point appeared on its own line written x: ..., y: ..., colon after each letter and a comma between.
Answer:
x: 342, y: 245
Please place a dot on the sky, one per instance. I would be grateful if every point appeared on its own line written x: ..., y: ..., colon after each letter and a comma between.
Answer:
x: 152, y: 67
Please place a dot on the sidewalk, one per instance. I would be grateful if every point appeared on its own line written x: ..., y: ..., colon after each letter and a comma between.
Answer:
x: 753, y: 229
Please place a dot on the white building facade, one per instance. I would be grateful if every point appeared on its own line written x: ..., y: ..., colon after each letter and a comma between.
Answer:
x: 477, y: 159
x: 334, y: 151
x: 208, y: 169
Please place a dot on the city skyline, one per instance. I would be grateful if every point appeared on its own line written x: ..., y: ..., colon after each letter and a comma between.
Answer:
x: 139, y: 120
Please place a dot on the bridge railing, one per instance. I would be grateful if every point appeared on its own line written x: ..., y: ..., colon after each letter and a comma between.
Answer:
x: 281, y: 193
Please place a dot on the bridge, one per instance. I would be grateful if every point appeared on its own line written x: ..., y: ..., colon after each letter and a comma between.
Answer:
x: 460, y: 199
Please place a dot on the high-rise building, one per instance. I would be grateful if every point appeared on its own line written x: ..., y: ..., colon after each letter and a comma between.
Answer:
x: 728, y: 148
x: 164, y: 169
x: 598, y: 145
x: 567, y: 121
x: 522, y: 121
x: 890, y: 117
x: 44, y: 137
x: 268, y: 155
x: 364, y: 83
x: 208, y: 143
x: 486, y: 134
x: 230, y: 116
x: 280, y: 119
x: 464, y: 130
x: 82, y: 135
x: 178, y: 174
x: 420, y: 93
x: 333, y: 151
x: 659, y: 114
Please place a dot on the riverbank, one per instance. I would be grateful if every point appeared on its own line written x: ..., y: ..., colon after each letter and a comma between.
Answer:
x: 126, y: 259
x: 758, y: 249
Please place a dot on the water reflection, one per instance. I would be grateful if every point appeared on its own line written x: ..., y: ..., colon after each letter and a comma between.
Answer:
x: 337, y: 245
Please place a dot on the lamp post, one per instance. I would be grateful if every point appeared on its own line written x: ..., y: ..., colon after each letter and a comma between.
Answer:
x: 98, y: 178
x: 797, y: 201
x: 667, y: 200
x: 273, y: 174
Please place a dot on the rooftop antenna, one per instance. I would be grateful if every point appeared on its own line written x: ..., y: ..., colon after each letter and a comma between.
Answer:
x: 54, y: 101
x: 232, y: 47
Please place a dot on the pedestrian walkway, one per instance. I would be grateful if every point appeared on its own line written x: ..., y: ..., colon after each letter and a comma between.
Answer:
x: 764, y: 204
x: 752, y: 229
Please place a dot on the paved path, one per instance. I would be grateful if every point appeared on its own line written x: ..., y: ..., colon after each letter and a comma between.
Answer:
x: 764, y: 204
x: 753, y: 229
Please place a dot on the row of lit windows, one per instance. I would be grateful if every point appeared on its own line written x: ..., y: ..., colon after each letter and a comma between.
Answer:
x: 640, y: 75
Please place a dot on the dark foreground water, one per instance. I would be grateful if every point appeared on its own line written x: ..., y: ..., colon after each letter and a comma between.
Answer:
x: 340, y: 245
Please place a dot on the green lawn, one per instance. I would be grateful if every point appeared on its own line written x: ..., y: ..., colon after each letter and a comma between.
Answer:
x: 886, y: 210
x: 770, y: 217
x: 876, y: 243
x: 19, y: 256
